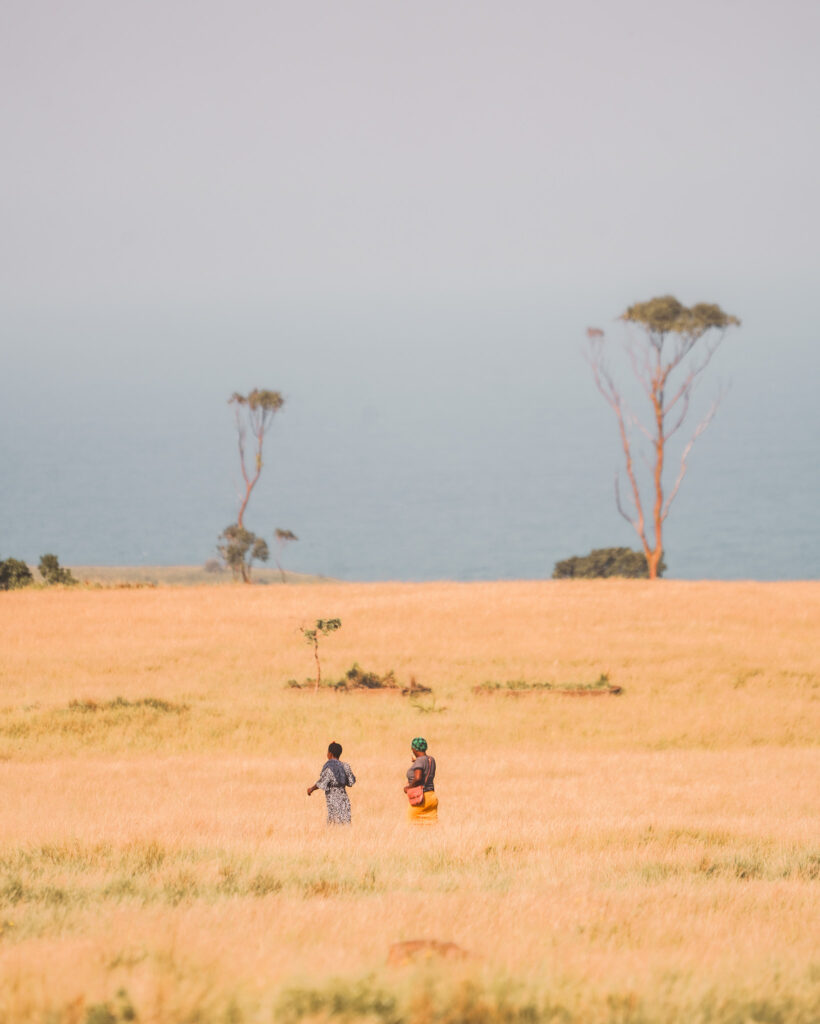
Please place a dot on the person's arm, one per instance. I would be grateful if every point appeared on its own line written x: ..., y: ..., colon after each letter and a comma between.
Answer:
x: 418, y: 778
x: 321, y: 782
x: 351, y: 778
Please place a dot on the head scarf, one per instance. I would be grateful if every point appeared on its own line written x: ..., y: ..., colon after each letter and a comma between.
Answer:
x: 419, y: 743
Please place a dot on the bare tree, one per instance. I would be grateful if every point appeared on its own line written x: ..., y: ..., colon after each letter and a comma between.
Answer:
x: 254, y: 413
x: 283, y: 537
x: 667, y: 361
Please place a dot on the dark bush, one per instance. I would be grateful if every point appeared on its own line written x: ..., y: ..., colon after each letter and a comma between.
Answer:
x: 52, y: 572
x: 604, y: 562
x: 14, y: 574
x: 357, y: 678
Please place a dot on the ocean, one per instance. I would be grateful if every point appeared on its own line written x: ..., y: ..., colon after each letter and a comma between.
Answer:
x: 463, y: 447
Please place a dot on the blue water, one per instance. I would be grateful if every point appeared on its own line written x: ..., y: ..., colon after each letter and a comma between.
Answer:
x: 415, y: 444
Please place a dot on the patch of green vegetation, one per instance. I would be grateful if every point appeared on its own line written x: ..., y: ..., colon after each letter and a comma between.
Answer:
x: 119, y: 1011
x: 344, y: 885
x: 120, y: 703
x: 743, y: 866
x: 807, y: 867
x: 658, y: 872
x: 89, y: 720
x: 264, y: 884
x: 153, y: 704
x: 505, y: 1002
x: 602, y: 684
x: 356, y: 678
x: 14, y: 891
x: 434, y: 1000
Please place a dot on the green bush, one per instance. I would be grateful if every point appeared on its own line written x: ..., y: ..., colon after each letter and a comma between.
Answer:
x: 605, y: 562
x: 239, y: 548
x: 357, y: 678
x: 14, y: 574
x: 52, y: 572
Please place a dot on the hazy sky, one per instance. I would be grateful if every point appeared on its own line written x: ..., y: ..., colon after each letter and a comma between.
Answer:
x: 206, y: 153
x: 203, y: 197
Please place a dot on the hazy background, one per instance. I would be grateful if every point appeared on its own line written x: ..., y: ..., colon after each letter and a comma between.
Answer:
x: 402, y: 216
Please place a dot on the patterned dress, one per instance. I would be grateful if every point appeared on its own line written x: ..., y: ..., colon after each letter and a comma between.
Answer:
x: 334, y: 777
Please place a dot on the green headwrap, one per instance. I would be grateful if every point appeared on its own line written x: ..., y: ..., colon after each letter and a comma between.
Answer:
x: 419, y: 743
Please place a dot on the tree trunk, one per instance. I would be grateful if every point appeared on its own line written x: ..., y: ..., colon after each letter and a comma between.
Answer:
x: 654, y: 557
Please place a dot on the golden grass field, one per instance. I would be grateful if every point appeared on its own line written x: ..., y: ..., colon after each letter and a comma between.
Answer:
x: 650, y: 857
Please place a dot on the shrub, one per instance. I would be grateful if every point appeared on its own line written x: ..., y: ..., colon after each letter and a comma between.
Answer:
x: 605, y: 562
x: 52, y: 572
x: 14, y: 574
x: 357, y: 678
x: 239, y: 548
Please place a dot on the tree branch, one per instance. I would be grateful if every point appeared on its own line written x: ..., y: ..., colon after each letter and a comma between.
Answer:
x: 701, y: 427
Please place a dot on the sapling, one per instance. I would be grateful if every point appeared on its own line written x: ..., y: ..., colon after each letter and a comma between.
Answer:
x: 323, y: 627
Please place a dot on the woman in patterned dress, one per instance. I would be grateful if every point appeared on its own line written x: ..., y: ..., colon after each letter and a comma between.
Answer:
x: 422, y: 772
x: 334, y: 778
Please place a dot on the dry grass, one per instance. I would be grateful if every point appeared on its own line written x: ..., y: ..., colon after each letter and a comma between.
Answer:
x: 652, y: 856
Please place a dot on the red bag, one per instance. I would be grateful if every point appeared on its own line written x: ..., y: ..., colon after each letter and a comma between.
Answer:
x: 416, y: 795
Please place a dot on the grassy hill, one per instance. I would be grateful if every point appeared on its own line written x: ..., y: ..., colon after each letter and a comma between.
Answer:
x: 639, y: 858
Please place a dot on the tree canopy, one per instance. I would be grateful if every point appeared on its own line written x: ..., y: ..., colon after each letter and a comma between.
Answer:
x: 665, y: 315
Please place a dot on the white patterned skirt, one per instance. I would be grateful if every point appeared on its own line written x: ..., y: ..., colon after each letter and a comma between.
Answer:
x: 338, y: 806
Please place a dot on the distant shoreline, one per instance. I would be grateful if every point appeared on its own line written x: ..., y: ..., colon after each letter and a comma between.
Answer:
x: 197, y: 575
x: 184, y: 575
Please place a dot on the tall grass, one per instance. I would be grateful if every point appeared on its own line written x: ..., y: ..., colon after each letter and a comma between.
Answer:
x: 650, y: 857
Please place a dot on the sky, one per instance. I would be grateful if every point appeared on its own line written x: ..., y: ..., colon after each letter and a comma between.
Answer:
x: 395, y: 213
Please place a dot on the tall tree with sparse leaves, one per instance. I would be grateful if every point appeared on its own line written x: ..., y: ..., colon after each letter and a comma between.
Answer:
x: 668, y: 353
x: 254, y: 414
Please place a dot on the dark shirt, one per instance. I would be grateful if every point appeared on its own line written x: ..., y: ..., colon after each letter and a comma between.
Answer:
x: 428, y: 774
x: 335, y: 775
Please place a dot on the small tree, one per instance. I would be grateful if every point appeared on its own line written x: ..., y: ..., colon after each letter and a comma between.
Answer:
x: 240, y: 548
x: 667, y: 361
x: 14, y: 574
x: 283, y: 537
x: 254, y: 412
x: 52, y: 572
x: 323, y: 627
